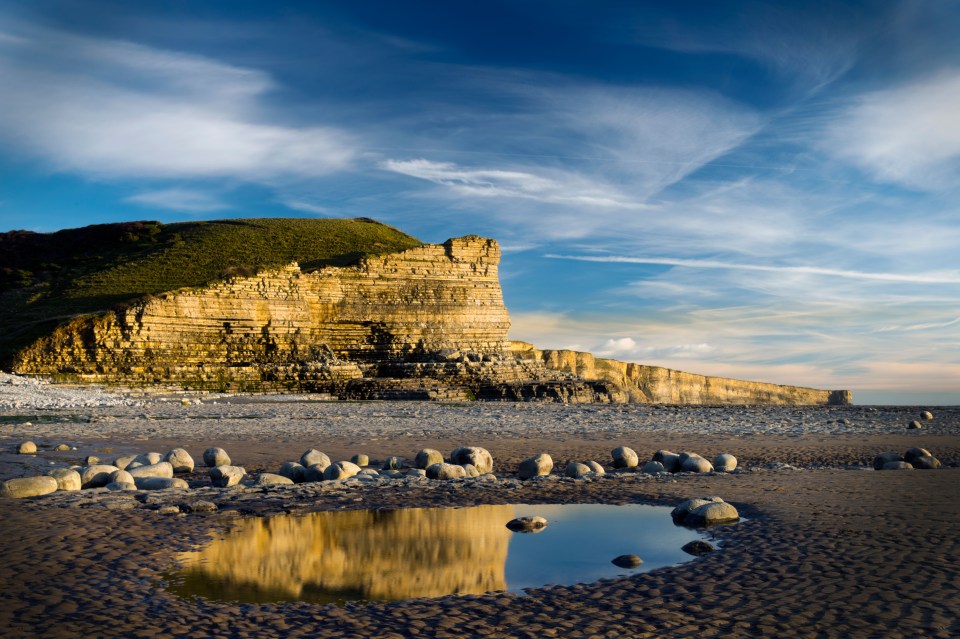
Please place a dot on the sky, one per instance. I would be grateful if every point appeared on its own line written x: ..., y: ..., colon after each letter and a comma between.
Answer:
x: 756, y: 190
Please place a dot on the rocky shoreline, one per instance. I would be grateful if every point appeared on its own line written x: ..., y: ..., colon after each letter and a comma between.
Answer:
x: 832, y: 548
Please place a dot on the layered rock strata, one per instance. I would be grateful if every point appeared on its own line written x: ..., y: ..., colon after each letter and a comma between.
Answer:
x: 639, y: 383
x: 425, y: 323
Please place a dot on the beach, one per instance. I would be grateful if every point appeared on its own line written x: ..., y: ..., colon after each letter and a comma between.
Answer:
x: 829, y: 547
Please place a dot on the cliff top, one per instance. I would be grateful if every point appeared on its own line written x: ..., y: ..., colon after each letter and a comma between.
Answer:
x: 46, y: 278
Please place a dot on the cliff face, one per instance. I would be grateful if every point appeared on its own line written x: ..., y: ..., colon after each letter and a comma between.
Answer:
x: 333, y: 323
x: 425, y: 323
x: 653, y: 384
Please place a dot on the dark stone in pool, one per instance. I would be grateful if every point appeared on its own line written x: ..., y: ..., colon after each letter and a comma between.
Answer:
x: 527, y: 524
x: 697, y: 548
x: 626, y: 561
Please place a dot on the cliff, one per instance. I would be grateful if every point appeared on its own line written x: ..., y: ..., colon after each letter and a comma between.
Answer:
x: 405, y: 321
x: 652, y: 384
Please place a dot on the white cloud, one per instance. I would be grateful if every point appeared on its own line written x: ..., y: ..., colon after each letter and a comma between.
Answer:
x: 306, y: 207
x: 937, y: 277
x: 177, y: 199
x: 471, y: 182
x: 907, y: 135
x: 118, y: 109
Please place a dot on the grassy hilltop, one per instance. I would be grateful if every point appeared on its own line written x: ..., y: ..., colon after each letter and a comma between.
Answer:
x: 49, y: 278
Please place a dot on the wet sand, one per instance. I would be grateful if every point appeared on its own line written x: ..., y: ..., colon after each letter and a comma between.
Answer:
x: 828, y: 551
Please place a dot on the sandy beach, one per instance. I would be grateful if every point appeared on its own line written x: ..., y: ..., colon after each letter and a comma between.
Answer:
x: 831, y: 548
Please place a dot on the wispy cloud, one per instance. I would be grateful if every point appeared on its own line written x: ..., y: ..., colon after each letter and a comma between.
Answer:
x: 178, y: 199
x: 908, y: 135
x: 472, y: 182
x: 118, y: 109
x: 941, y: 277
x: 306, y: 207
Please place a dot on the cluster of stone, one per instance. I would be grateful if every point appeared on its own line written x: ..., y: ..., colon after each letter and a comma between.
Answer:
x: 919, y: 458
x: 665, y: 461
x: 465, y: 461
x: 625, y: 459
x: 925, y: 415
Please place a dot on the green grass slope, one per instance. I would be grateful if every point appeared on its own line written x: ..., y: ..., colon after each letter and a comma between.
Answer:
x: 49, y: 278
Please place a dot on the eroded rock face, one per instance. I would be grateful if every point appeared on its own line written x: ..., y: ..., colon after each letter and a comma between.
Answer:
x: 290, y: 329
x: 652, y: 384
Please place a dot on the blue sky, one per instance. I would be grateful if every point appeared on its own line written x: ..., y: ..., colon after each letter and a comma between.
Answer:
x: 749, y: 189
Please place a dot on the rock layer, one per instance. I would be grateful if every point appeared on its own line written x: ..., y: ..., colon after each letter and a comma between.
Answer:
x: 639, y: 383
x: 426, y: 323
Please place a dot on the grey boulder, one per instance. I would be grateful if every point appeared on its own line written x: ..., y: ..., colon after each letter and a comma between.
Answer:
x: 294, y: 472
x: 536, y: 466
x: 624, y: 457
x: 226, y: 476
x: 725, y: 463
x: 269, y: 479
x: 180, y: 459
x: 67, y: 479
x: 445, y: 471
x: 340, y: 470
x: 96, y: 476
x: 161, y: 483
x: 314, y: 457
x: 160, y: 469
x: 428, y: 457
x: 213, y: 457
x: 480, y: 458
x: 28, y: 487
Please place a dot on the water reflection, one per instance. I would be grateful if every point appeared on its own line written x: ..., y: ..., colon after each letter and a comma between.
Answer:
x: 424, y: 552
x: 334, y: 556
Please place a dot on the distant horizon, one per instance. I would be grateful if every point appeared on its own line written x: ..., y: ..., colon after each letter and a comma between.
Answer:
x: 746, y: 189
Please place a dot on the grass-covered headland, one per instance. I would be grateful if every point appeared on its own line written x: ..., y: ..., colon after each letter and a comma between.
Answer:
x: 49, y: 278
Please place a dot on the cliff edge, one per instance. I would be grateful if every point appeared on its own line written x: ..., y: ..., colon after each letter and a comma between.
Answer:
x: 407, y: 321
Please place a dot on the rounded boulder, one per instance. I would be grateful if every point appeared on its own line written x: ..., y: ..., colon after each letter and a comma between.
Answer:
x: 314, y: 457
x: 480, y: 458
x: 536, y: 466
x: 696, y: 465
x: 527, y: 524
x: 160, y: 469
x: 213, y: 457
x: 96, y: 476
x: 445, y: 471
x: 67, y: 479
x: 226, y: 476
x: 294, y: 472
x: 653, y: 467
x: 428, y: 457
x: 180, y: 459
x: 340, y: 470
x: 576, y: 470
x: 725, y: 463
x: 26, y: 448
x: 624, y: 457
x: 670, y: 461
x: 28, y: 487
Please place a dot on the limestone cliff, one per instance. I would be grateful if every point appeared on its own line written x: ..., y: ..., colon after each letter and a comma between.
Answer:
x: 427, y: 322
x: 283, y: 325
x: 653, y: 384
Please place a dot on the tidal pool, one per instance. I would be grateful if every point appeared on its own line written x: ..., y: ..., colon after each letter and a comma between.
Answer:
x: 334, y: 557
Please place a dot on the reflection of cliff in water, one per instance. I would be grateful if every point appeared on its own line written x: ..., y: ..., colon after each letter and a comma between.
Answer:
x: 329, y: 556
